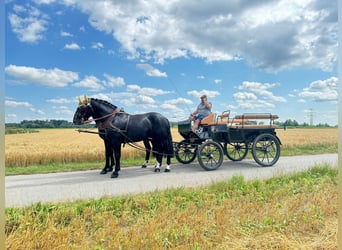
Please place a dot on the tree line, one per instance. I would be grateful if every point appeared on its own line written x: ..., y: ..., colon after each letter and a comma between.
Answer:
x: 33, y: 124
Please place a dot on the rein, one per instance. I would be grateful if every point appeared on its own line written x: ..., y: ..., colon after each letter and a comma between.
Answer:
x: 116, y: 111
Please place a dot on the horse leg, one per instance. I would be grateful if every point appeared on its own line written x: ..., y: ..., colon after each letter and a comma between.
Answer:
x: 168, y: 162
x: 109, y: 157
x: 117, y: 153
x: 159, y: 158
x: 148, y: 152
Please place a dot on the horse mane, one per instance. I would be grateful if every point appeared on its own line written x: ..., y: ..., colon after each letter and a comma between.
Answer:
x: 104, y: 102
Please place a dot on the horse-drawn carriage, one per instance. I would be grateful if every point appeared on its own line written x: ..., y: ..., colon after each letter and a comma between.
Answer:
x: 233, y: 137
x: 218, y: 136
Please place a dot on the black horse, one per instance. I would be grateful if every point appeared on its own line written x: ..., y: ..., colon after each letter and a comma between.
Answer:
x: 121, y: 127
x: 109, y: 157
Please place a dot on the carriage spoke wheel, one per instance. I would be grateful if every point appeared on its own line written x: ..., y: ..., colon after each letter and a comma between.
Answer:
x: 236, y: 151
x: 266, y: 150
x: 185, y: 152
x: 210, y: 155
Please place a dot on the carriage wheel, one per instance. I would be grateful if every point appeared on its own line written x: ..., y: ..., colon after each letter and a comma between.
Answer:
x: 266, y: 150
x: 185, y: 152
x: 210, y: 155
x: 236, y: 151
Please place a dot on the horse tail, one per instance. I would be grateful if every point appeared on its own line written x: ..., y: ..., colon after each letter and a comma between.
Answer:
x: 168, y: 145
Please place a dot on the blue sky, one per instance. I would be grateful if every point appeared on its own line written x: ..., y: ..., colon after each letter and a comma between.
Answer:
x: 272, y: 56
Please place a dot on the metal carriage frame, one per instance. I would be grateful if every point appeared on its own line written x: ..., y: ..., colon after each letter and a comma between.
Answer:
x: 219, y: 136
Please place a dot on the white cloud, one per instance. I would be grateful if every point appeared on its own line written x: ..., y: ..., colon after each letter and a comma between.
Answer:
x: 198, y: 94
x: 151, y: 71
x: 28, y: 23
x: 66, y: 34
x: 245, y: 96
x: 114, y: 81
x: 256, y: 96
x: 15, y: 104
x: 97, y: 45
x: 59, y: 100
x: 146, y: 91
x: 179, y: 101
x: 141, y: 101
x: 261, y: 89
x: 46, y: 77
x: 272, y: 35
x: 322, y: 90
x: 72, y: 46
x: 91, y: 83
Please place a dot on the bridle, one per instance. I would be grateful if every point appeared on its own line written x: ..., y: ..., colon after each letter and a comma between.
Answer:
x: 116, y: 111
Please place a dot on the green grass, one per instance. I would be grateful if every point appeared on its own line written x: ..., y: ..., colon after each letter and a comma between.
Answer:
x: 288, y: 212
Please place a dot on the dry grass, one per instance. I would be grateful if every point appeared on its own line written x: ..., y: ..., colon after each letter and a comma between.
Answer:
x: 67, y: 145
x: 282, y: 213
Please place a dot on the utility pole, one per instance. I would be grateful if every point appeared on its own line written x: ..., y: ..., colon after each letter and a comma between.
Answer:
x: 311, y: 115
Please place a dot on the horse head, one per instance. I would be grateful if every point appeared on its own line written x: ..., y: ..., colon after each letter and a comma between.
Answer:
x: 83, y: 111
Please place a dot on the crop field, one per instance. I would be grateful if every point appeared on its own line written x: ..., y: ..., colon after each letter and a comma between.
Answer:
x: 68, y: 146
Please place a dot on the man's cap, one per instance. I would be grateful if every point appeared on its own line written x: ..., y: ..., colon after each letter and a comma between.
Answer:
x: 203, y: 96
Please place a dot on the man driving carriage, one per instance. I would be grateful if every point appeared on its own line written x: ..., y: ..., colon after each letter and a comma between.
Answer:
x: 203, y: 109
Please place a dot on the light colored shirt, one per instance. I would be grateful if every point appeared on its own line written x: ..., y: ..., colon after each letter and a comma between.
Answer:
x: 203, y: 110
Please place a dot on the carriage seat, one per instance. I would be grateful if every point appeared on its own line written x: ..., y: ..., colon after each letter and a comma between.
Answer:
x: 208, y: 119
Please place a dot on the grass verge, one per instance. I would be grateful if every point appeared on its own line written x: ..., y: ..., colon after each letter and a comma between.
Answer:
x: 289, y: 212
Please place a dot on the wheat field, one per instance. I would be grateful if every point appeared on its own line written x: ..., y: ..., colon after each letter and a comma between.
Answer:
x: 67, y: 145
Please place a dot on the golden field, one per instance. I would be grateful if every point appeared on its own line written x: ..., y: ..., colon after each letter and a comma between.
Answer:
x: 68, y: 145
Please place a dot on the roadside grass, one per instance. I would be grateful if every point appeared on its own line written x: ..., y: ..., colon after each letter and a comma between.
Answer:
x: 298, y: 211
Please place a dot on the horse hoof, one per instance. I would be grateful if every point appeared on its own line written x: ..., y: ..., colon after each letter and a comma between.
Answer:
x: 144, y: 166
x: 167, y: 170
x: 104, y: 171
x: 114, y: 175
x: 157, y: 170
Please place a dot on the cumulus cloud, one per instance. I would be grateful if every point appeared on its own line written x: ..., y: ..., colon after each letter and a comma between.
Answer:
x: 268, y: 34
x: 66, y: 34
x: 59, y: 100
x: 322, y: 90
x: 27, y: 105
x: 46, y: 77
x: 151, y: 71
x: 142, y: 101
x: 72, y: 46
x: 28, y: 23
x: 262, y: 90
x: 97, y: 45
x: 91, y: 83
x: 15, y: 104
x: 114, y: 81
x: 198, y: 94
x: 146, y: 91
x: 256, y: 95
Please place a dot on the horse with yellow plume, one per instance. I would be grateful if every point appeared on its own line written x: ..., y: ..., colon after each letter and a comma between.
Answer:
x: 109, y: 154
x: 120, y: 127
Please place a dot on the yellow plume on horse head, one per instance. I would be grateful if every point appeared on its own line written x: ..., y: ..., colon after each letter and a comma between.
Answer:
x: 85, y: 100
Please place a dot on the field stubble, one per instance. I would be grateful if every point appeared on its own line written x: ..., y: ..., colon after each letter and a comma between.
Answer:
x: 68, y: 146
x: 298, y: 212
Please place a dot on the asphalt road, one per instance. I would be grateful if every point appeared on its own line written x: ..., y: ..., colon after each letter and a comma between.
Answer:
x: 24, y: 190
